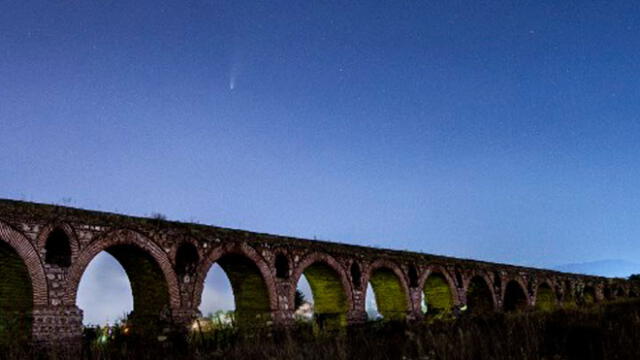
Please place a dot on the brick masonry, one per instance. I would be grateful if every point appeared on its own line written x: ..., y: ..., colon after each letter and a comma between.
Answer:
x: 167, y: 263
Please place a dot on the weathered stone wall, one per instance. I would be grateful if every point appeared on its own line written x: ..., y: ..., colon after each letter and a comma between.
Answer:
x: 45, y: 249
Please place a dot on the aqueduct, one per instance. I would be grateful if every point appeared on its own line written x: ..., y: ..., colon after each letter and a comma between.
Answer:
x: 44, y: 250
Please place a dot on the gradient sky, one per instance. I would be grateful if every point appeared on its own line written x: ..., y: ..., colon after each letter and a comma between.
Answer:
x: 502, y: 131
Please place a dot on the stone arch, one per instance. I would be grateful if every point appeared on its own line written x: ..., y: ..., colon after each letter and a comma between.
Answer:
x: 251, y: 281
x: 390, y: 288
x: 515, y: 296
x: 154, y: 283
x: 608, y: 293
x: 438, y: 290
x: 25, y: 250
x: 59, y: 243
x: 332, y: 291
x: 545, y: 297
x: 21, y: 283
x: 480, y: 298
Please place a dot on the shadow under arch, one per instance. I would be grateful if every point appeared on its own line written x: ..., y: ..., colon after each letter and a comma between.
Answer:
x: 22, y: 285
x: 154, y: 284
x: 545, y: 297
x: 515, y: 297
x: 330, y: 289
x: 251, y: 283
x: 16, y: 295
x: 438, y: 292
x: 480, y: 299
x: 390, y: 290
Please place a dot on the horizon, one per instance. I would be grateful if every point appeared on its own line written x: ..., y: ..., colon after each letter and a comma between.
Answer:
x: 494, y: 131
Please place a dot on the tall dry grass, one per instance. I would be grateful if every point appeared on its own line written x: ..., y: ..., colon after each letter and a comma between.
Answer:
x: 608, y: 331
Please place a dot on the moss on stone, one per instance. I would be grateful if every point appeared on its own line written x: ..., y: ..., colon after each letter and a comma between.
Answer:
x: 249, y: 290
x: 437, y: 295
x: 589, y: 296
x: 329, y: 298
x: 390, y: 296
x: 545, y: 299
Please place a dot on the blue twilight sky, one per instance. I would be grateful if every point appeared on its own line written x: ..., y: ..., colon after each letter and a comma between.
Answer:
x: 503, y: 131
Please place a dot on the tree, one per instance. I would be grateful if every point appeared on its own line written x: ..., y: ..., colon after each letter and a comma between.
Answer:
x: 299, y: 299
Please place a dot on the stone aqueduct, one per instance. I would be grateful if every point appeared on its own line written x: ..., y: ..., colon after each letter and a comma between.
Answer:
x: 45, y: 249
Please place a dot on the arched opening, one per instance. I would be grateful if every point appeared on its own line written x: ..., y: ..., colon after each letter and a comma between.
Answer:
x: 58, y: 249
x: 545, y: 298
x: 16, y: 296
x: 303, y: 301
x: 515, y: 299
x: 187, y: 259
x: 589, y: 296
x: 356, y: 275
x: 479, y: 297
x: 413, y: 276
x: 391, y: 298
x: 250, y: 293
x: 104, y: 292
x: 620, y: 293
x: 438, y: 298
x: 608, y: 294
x: 149, y: 290
x: 326, y: 293
x: 282, y: 266
x: 218, y: 304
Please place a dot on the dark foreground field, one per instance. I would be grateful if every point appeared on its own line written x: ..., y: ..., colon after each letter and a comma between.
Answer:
x: 610, y: 331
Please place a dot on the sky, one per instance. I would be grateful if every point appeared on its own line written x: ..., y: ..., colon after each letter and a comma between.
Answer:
x: 493, y: 130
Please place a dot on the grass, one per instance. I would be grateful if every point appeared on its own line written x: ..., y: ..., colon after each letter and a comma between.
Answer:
x: 608, y: 331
